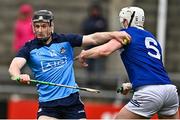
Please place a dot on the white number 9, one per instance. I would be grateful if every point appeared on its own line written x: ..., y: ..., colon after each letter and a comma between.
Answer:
x: 149, y: 40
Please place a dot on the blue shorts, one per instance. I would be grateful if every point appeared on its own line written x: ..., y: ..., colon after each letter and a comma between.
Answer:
x: 70, y: 107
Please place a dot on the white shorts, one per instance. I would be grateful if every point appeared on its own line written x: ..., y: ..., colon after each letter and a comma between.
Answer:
x: 151, y: 99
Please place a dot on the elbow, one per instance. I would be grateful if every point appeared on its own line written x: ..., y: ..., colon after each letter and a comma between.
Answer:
x: 10, y: 70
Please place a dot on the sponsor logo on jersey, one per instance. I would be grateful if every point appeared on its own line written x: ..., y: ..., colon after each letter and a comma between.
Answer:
x: 48, y: 65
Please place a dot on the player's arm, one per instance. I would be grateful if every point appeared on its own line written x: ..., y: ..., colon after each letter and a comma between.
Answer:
x: 102, y: 50
x: 16, y: 65
x: 99, y: 51
x: 103, y: 37
x: 15, y: 69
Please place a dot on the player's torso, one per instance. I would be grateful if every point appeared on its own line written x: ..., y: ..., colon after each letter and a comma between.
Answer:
x: 53, y: 63
x: 143, y: 59
x: 51, y: 57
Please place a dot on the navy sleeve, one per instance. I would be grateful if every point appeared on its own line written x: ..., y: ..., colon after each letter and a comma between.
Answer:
x: 74, y: 39
x: 24, y: 51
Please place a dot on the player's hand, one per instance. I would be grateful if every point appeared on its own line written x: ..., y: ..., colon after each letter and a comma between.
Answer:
x: 126, y: 88
x: 122, y: 36
x: 24, y: 78
x: 81, y: 59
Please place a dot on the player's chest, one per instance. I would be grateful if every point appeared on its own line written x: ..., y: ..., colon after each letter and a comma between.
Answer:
x: 55, y: 52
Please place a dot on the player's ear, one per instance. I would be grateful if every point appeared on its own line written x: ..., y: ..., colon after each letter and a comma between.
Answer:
x: 126, y: 23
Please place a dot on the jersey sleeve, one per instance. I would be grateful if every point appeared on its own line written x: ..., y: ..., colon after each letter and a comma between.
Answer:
x: 24, y: 51
x: 74, y: 39
x: 127, y: 42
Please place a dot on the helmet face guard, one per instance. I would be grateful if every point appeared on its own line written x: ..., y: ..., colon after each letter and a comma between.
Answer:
x: 43, y: 16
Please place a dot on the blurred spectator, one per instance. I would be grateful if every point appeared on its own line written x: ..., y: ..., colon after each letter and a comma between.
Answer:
x: 23, y: 29
x: 95, y: 22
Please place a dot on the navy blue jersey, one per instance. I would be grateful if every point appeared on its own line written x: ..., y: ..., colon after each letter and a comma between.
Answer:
x: 52, y: 63
x: 143, y: 59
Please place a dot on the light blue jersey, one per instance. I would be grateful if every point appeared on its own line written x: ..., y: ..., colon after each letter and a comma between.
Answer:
x: 52, y: 63
x: 143, y: 59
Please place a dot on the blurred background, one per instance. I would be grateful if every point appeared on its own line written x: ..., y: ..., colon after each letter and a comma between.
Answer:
x: 83, y: 17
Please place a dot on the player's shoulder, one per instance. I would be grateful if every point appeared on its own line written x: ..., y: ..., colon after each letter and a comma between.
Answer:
x: 129, y: 30
x: 63, y: 36
x: 141, y: 31
x: 30, y: 42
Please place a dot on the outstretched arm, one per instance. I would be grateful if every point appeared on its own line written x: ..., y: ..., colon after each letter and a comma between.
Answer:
x: 102, y: 50
x: 103, y: 37
x: 99, y: 51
